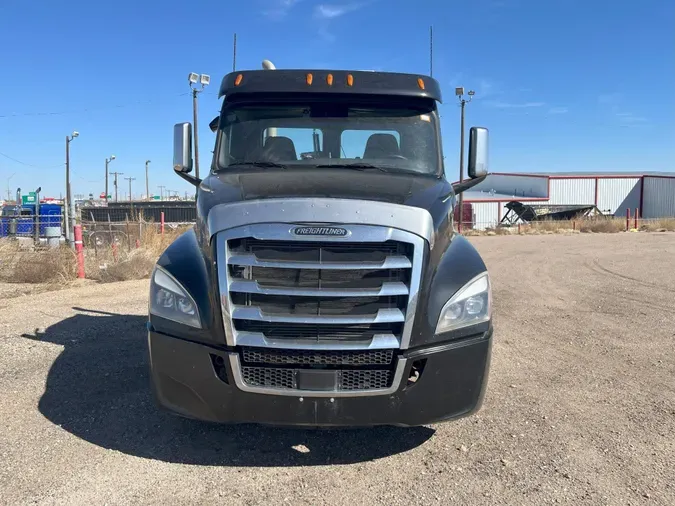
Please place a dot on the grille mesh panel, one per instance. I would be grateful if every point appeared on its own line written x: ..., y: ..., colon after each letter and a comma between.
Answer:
x: 365, y: 380
x: 269, y: 377
x: 311, y: 357
x: 348, y: 380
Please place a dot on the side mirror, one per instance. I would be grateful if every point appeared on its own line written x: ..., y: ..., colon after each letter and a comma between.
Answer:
x: 182, y: 147
x: 478, y: 152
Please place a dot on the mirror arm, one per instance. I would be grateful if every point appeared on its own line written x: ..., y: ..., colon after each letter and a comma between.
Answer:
x: 466, y: 184
x: 195, y: 181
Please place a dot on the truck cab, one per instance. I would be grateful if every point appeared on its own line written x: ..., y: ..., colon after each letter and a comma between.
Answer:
x: 324, y: 283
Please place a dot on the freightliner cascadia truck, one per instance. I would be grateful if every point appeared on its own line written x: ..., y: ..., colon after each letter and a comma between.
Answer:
x: 323, y: 283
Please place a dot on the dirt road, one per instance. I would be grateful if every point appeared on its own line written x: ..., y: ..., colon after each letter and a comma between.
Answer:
x: 580, y: 407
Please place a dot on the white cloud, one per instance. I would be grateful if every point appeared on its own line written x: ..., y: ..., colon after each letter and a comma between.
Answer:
x: 511, y: 105
x: 558, y: 110
x: 615, y: 104
x: 332, y: 11
x: 630, y: 119
x: 278, y: 9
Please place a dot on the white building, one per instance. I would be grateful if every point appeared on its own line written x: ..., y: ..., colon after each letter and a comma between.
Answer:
x: 652, y: 193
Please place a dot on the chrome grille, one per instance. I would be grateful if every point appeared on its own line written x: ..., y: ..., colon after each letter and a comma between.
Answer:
x: 318, y: 317
x: 321, y: 291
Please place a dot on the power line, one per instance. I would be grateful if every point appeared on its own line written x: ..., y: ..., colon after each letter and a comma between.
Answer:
x: 29, y: 164
x: 60, y: 113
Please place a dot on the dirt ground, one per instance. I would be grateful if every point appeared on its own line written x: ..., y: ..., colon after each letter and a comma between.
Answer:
x: 580, y: 407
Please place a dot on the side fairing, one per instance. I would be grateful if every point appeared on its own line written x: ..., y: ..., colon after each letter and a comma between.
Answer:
x: 193, y: 269
x: 451, y: 264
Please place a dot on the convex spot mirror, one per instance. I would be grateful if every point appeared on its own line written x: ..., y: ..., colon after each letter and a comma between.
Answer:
x: 478, y: 152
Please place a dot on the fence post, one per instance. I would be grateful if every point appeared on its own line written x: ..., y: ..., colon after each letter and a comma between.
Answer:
x: 637, y: 213
x: 128, y: 237
x: 574, y: 225
x: 518, y: 228
x: 114, y: 248
x: 161, y: 222
x: 138, y: 243
x: 627, y: 219
x: 78, y: 250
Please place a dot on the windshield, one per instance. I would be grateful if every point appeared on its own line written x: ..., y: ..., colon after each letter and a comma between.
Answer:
x: 399, y: 138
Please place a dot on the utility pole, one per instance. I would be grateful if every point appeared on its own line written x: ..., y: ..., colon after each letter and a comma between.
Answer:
x: 460, y: 95
x: 107, y: 161
x: 130, y: 179
x: 115, y: 183
x: 204, y: 80
x: 9, y: 193
x: 147, y: 186
x: 68, y: 211
x: 161, y: 192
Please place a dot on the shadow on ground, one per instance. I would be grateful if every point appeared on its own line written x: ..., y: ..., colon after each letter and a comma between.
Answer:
x: 98, y: 389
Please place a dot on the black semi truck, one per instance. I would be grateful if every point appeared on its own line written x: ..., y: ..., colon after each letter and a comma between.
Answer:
x: 324, y: 283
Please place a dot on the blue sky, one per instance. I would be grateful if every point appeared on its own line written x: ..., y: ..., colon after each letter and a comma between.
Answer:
x: 561, y: 84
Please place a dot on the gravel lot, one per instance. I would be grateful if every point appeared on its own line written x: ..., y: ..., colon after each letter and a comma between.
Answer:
x: 580, y: 407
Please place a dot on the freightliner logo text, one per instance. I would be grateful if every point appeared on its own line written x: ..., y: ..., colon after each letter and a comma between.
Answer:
x: 320, y: 231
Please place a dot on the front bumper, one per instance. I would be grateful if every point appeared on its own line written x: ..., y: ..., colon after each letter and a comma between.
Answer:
x: 451, y: 385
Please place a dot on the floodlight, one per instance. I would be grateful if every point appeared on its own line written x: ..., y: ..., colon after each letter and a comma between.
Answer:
x: 459, y: 91
x: 112, y: 157
x: 472, y: 93
x: 193, y: 78
x: 75, y: 134
x: 204, y: 80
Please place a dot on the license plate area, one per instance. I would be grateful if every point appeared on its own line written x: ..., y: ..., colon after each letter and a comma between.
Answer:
x: 317, y: 380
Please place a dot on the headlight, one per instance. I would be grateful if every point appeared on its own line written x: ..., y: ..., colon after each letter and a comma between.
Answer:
x: 469, y: 306
x: 170, y: 300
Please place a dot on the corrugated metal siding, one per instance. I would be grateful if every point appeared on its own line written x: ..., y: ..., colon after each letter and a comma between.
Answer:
x: 615, y: 195
x: 520, y: 186
x: 572, y: 191
x: 485, y: 214
x: 658, y: 200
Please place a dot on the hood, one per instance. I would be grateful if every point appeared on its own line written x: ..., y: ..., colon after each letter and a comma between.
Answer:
x: 430, y: 193
x: 407, y: 189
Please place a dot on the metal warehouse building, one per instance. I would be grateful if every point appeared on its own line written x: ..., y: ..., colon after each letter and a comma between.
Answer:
x: 652, y: 193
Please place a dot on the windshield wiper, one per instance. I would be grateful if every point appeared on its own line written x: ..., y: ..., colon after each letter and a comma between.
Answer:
x: 355, y: 166
x: 263, y: 164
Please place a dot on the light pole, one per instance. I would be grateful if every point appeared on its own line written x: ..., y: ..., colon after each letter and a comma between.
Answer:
x: 147, y: 186
x: 68, y: 211
x: 107, y: 161
x: 460, y: 95
x: 204, y: 80
x: 161, y: 192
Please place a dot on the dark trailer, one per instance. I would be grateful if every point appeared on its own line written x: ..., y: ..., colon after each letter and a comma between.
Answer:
x: 517, y: 211
x: 323, y: 283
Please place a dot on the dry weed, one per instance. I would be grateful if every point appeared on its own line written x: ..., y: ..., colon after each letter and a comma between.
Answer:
x: 658, y: 225
x: 22, y: 264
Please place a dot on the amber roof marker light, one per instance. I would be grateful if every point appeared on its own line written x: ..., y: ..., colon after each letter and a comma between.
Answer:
x: 238, y: 80
x: 350, y: 80
x: 329, y: 79
x: 309, y: 79
x: 420, y: 83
